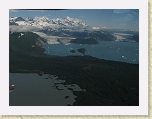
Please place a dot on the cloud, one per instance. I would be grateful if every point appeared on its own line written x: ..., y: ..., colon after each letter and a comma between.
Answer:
x: 134, y: 13
x: 129, y: 17
x: 104, y: 27
x: 121, y: 11
x: 117, y: 11
x: 95, y: 28
x: 22, y: 28
x: 13, y: 10
x: 126, y: 19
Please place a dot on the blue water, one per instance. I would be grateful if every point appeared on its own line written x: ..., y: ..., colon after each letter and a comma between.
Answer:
x: 117, y: 51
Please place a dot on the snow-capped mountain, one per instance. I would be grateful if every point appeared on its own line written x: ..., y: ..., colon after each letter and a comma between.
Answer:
x: 16, y: 19
x: 59, y: 30
x: 70, y: 21
x: 45, y: 22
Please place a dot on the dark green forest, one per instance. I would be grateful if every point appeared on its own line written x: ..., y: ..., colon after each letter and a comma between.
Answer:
x: 107, y: 83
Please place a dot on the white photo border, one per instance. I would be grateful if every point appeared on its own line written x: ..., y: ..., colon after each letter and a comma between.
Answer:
x: 142, y: 109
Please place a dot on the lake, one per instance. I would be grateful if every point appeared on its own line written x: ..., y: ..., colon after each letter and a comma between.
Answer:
x: 113, y: 50
x: 47, y: 90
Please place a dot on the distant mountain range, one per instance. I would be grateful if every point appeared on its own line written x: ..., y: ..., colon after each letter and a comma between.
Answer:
x: 44, y: 22
x: 63, y: 28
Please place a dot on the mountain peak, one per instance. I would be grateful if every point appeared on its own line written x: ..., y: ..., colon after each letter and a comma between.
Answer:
x: 42, y: 19
x: 68, y: 18
x: 19, y: 19
x: 45, y: 22
x: 29, y: 19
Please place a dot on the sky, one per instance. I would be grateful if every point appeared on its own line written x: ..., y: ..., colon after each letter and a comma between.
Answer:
x: 103, y: 18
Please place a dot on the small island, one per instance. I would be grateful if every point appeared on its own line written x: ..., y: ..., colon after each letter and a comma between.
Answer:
x: 82, y: 50
x: 72, y: 51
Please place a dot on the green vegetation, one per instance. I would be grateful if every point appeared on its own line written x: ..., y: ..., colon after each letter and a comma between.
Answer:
x: 27, y: 43
x: 107, y: 83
